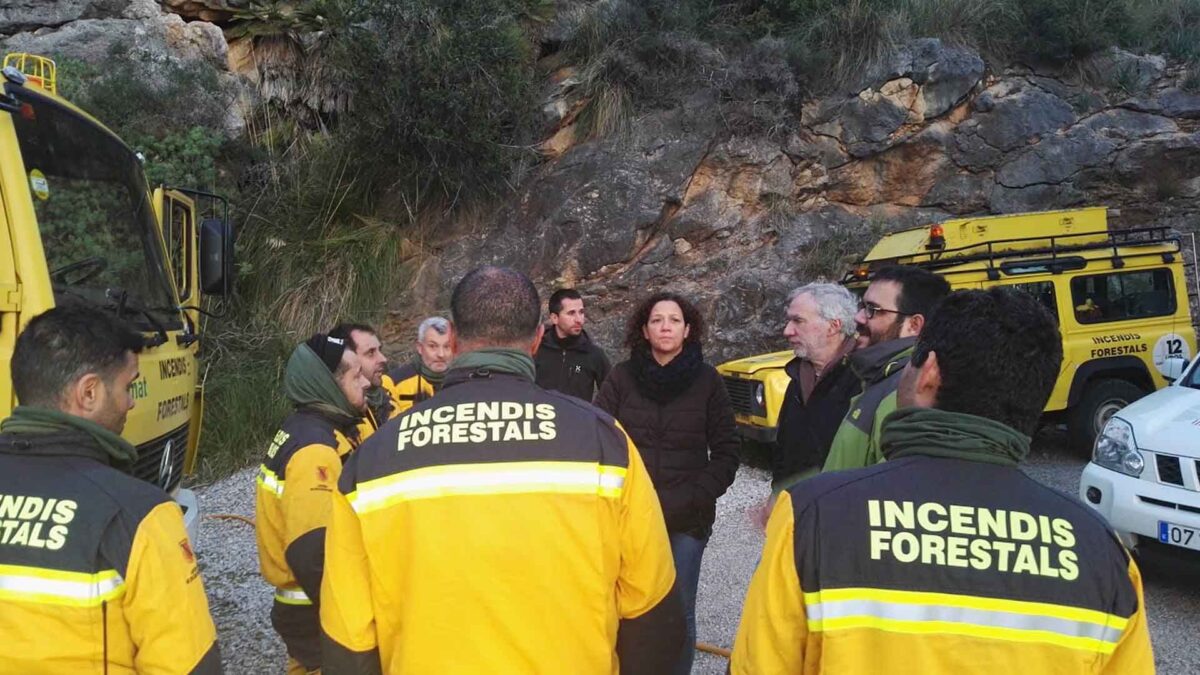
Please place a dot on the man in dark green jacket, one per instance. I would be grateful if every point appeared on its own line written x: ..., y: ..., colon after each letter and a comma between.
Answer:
x: 890, y: 317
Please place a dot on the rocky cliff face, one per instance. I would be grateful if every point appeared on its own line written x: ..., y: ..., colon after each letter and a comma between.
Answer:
x: 735, y: 217
x: 90, y: 30
x: 736, y: 220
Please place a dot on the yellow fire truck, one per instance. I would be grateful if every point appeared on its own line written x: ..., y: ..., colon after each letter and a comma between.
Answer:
x: 79, y: 223
x: 1120, y: 297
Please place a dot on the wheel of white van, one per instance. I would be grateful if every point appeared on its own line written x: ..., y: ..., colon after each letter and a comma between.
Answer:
x: 1100, y: 401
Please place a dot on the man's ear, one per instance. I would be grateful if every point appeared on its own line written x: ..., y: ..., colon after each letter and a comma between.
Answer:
x: 929, y: 381
x: 833, y: 328
x: 537, y: 339
x: 913, y: 325
x: 82, y: 397
x: 453, y: 343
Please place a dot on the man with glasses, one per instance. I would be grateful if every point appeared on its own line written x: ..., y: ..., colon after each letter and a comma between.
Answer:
x: 890, y: 316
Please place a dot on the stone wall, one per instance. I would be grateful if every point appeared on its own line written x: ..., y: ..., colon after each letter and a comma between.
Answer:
x: 735, y: 221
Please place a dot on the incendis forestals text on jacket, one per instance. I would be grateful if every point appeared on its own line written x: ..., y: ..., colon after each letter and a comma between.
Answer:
x: 498, y: 515
x: 96, y: 571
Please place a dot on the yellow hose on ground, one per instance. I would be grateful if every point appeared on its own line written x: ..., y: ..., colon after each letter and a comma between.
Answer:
x: 231, y: 516
x: 713, y: 649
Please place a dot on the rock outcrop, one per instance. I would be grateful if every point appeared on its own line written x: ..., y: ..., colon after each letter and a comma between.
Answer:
x: 735, y: 221
x: 92, y: 30
x: 734, y: 216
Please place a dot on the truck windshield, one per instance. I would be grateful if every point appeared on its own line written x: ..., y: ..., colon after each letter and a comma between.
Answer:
x: 94, y: 215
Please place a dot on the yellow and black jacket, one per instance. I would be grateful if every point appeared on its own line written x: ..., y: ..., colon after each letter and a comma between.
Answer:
x: 408, y: 387
x: 96, y: 571
x: 292, y: 503
x: 936, y: 566
x: 499, y: 528
x: 381, y: 407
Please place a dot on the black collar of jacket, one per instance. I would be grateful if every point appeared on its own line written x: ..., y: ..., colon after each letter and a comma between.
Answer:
x: 68, y: 444
x: 874, y: 362
x: 456, y: 376
x: 550, y: 339
x: 792, y: 368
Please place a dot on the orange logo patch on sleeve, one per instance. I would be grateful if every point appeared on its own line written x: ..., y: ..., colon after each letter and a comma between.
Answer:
x: 323, y: 474
x: 188, y: 555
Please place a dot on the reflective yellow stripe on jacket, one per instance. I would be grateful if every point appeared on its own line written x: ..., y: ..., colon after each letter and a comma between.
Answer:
x: 292, y: 596
x: 269, y: 481
x: 997, y: 619
x: 56, y: 587
x: 489, y: 479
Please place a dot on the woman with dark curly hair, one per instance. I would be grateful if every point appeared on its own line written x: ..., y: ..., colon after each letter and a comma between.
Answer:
x: 675, y: 408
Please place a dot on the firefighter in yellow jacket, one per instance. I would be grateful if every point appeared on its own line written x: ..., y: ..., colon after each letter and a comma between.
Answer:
x: 96, y: 571
x: 498, y: 528
x: 419, y: 380
x: 947, y: 558
x: 325, y: 383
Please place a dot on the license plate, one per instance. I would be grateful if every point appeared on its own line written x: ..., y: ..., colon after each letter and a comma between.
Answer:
x: 1178, y: 535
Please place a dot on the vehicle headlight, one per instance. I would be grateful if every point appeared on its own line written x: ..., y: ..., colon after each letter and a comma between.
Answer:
x: 760, y: 395
x: 1116, y: 449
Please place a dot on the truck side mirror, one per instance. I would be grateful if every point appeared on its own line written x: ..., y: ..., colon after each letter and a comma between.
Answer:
x: 216, y: 257
x: 1173, y: 368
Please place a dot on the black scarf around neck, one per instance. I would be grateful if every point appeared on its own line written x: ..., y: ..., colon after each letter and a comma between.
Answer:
x: 664, y: 383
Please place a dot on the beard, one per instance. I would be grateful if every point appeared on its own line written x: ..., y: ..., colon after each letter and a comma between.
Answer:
x: 113, y: 418
x: 892, y: 332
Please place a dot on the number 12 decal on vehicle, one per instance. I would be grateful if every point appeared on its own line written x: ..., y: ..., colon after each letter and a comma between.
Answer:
x: 1170, y: 346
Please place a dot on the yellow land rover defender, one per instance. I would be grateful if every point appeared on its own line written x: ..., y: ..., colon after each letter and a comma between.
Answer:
x: 1120, y: 297
x: 79, y: 223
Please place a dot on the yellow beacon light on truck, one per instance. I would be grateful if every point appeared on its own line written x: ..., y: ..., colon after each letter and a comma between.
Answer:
x: 39, y: 71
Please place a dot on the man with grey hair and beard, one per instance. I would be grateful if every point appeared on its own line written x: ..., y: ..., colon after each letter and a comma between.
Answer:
x: 420, y: 379
x: 821, y: 331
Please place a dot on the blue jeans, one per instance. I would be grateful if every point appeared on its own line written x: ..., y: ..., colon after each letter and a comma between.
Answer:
x: 687, y: 552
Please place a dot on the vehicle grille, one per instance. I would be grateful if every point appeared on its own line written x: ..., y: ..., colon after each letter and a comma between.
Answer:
x: 1168, y: 469
x: 741, y: 394
x: 1169, y: 505
x: 150, y: 466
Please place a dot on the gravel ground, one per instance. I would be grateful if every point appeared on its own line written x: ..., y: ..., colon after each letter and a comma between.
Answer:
x: 238, y: 597
x: 240, y: 600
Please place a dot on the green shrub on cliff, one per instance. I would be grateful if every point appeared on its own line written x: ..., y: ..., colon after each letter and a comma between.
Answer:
x: 441, y: 89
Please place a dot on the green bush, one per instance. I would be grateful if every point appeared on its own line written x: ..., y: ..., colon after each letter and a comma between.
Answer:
x: 173, y: 113
x: 1061, y: 30
x: 442, y: 90
x: 1170, y: 27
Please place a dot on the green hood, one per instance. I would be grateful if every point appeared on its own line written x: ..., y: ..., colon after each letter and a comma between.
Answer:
x: 44, y: 422
x: 307, y: 383
x: 501, y: 360
x: 937, y: 433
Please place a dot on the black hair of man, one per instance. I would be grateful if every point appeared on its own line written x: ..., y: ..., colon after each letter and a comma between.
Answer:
x: 557, y: 297
x: 495, y: 306
x: 62, y: 345
x: 920, y: 290
x: 998, y: 351
x: 345, y: 331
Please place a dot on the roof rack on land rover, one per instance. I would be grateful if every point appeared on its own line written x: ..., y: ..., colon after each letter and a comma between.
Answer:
x: 1026, y: 260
